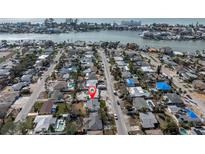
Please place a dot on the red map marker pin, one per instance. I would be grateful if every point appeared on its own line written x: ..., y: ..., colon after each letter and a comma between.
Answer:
x: 92, y: 91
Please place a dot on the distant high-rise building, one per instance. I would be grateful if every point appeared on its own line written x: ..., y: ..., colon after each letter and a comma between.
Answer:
x: 131, y: 23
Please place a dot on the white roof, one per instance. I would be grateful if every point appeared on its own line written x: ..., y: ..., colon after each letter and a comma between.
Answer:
x: 203, y: 73
x: 136, y: 91
x: 178, y: 53
x: 43, y: 57
x: 43, y: 122
x: 147, y: 69
x: 118, y: 58
x: 91, y: 83
x: 127, y: 68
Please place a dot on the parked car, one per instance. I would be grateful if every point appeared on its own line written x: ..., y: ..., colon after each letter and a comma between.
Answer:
x: 115, y: 92
x: 115, y: 116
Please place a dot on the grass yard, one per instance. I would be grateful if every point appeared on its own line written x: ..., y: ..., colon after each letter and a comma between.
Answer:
x: 37, y: 106
x: 62, y: 108
x: 29, y: 122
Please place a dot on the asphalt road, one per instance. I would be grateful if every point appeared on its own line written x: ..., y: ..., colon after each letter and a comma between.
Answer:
x: 39, y: 88
x: 179, y: 83
x: 120, y: 123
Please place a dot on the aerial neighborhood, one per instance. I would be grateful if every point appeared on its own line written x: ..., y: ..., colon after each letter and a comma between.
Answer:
x: 44, y: 89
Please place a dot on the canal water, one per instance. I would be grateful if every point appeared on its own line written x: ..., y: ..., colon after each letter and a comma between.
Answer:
x: 122, y: 36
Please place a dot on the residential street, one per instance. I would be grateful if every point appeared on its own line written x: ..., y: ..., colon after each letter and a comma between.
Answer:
x: 120, y: 123
x: 166, y: 71
x: 39, y: 87
x: 176, y: 81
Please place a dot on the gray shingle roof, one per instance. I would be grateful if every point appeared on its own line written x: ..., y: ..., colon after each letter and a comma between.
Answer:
x: 173, y: 99
x: 93, y: 122
x: 140, y: 103
x: 148, y: 120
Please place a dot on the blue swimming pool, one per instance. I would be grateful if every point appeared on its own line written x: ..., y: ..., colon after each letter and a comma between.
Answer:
x: 183, y: 131
x: 190, y: 113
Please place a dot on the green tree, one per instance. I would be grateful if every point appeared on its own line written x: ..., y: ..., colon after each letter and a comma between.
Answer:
x: 170, y: 128
x: 71, y: 128
x: 8, y: 128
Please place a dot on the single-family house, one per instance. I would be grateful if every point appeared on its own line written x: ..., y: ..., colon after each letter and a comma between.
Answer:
x: 60, y: 85
x: 126, y: 75
x: 93, y: 123
x: 19, y: 86
x: 56, y: 95
x: 136, y: 91
x: 26, y: 78
x: 91, y: 83
x: 140, y: 103
x: 47, y: 107
x: 6, y: 100
x: 43, y: 122
x: 173, y: 99
x: 92, y: 105
x: 118, y: 58
x: 147, y: 69
x: 148, y: 120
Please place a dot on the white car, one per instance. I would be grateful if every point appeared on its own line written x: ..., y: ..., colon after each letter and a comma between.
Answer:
x: 115, y: 92
x: 115, y: 115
